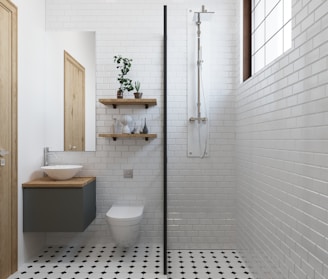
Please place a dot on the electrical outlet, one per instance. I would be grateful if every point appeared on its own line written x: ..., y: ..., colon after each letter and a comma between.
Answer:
x: 128, y: 173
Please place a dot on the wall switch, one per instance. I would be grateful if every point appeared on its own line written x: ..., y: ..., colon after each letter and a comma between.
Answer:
x: 128, y: 173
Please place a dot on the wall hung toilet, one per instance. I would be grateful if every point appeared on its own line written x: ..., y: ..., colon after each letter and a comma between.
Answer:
x: 124, y: 223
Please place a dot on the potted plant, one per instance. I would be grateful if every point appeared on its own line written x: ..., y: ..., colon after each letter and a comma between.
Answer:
x: 137, y: 94
x: 124, y: 65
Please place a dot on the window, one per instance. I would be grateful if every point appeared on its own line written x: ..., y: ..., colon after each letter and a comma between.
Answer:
x: 270, y: 31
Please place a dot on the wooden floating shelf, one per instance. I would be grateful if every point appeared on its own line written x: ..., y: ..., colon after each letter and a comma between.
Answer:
x: 117, y: 102
x: 129, y: 136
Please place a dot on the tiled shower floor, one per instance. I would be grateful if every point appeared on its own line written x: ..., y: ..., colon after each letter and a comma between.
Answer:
x: 139, y: 262
x: 206, y: 264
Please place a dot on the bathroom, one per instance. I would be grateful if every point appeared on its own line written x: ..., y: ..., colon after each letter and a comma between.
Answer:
x: 262, y: 189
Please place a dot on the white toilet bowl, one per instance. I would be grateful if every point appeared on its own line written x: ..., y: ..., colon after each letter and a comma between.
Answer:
x: 124, y: 223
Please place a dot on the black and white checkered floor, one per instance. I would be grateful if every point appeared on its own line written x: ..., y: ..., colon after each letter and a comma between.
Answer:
x: 139, y: 262
x: 206, y: 264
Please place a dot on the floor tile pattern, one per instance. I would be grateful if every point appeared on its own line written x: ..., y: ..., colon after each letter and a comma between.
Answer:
x: 138, y: 262
x: 206, y: 264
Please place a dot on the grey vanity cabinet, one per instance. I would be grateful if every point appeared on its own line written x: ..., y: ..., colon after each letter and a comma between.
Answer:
x: 59, y: 206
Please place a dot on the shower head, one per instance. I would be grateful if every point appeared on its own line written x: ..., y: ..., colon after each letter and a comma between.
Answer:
x: 204, y: 15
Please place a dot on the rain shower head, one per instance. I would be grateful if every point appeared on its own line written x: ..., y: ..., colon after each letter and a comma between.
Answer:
x: 204, y: 15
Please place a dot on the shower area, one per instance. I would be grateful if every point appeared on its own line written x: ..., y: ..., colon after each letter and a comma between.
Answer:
x: 202, y: 229
x: 201, y: 168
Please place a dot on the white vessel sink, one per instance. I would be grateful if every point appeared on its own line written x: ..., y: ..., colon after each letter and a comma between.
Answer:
x: 61, y: 172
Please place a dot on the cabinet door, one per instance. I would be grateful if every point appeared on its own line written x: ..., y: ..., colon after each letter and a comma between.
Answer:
x: 74, y: 80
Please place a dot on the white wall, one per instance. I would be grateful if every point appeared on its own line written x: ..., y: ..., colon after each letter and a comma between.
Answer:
x: 31, y: 77
x: 282, y: 144
x: 201, y: 192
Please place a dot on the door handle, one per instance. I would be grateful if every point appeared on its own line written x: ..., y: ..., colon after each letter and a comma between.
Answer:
x: 3, y: 152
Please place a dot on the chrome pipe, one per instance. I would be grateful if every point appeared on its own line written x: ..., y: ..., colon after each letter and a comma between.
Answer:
x: 199, y: 64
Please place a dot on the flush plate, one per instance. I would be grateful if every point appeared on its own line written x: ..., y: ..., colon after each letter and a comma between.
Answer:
x: 128, y: 173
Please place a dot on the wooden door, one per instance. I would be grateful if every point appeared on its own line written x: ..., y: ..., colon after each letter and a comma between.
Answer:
x: 74, y: 79
x: 8, y: 138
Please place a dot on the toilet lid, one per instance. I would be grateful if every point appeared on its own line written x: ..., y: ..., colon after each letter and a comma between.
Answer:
x: 125, y: 212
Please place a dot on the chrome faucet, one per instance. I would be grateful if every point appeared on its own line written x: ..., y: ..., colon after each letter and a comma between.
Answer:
x: 45, y: 156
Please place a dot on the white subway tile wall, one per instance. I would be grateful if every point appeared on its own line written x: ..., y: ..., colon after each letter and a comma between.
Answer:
x: 281, y: 155
x: 201, y: 192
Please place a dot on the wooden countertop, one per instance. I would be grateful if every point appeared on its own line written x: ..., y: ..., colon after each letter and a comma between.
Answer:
x: 46, y: 182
